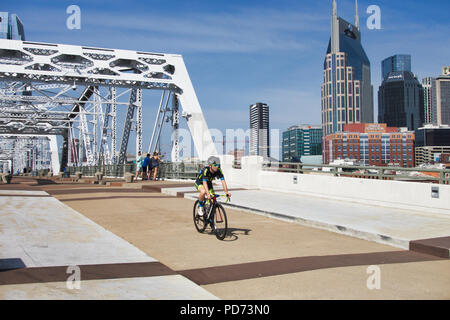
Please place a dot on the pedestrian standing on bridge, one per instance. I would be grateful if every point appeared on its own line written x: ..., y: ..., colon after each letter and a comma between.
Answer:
x: 139, y: 161
x: 145, y: 165
x: 154, y: 164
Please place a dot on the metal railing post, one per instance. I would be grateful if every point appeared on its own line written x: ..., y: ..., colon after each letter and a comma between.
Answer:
x: 380, y: 174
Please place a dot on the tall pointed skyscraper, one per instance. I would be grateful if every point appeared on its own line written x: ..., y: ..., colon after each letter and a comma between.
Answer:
x: 347, y: 92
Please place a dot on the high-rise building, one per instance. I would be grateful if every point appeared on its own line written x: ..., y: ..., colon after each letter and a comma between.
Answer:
x: 259, y: 130
x: 400, y: 101
x: 347, y: 93
x: 371, y: 144
x: 431, y: 142
x: 4, y: 25
x: 441, y: 100
x: 398, y: 62
x: 17, y: 30
x: 446, y: 71
x: 301, y: 141
x: 11, y: 27
x: 427, y: 84
x: 437, y: 99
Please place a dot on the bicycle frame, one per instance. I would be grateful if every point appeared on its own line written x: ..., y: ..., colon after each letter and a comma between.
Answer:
x: 212, y: 205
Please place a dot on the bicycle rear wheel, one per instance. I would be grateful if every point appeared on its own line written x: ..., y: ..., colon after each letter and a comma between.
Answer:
x: 220, y: 225
x: 199, y: 221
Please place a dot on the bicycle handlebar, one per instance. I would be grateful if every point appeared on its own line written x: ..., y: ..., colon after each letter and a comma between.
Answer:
x: 221, y: 195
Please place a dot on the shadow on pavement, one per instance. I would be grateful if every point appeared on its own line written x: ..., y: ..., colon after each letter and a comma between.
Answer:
x: 11, y: 264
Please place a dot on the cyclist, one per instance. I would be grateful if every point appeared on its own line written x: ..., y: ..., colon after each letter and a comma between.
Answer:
x: 203, y: 183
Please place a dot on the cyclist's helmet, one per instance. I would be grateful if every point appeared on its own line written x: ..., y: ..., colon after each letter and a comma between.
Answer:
x: 213, y: 160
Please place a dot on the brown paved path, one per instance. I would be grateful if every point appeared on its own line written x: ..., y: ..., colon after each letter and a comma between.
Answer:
x: 262, y: 258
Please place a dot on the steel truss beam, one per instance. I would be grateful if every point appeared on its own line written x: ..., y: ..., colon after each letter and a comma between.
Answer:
x: 44, y: 90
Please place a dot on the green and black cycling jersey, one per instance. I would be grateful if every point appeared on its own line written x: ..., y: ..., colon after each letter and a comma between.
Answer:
x: 207, y: 175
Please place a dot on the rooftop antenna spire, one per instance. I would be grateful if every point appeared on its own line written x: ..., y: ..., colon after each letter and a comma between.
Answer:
x: 356, y: 15
x: 334, y: 29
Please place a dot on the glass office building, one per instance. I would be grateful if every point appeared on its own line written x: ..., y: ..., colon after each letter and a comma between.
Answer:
x: 11, y: 27
x: 400, y: 101
x: 398, y: 62
x: 4, y: 25
x: 301, y: 141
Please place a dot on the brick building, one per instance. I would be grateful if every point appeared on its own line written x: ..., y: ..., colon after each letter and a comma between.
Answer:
x: 371, y: 144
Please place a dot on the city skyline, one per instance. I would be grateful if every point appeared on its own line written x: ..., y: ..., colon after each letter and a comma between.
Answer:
x: 237, y: 54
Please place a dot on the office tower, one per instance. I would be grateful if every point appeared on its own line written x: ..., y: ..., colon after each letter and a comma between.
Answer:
x: 437, y: 99
x: 259, y: 130
x: 4, y: 25
x: 432, y: 142
x: 347, y: 93
x: 371, y: 144
x: 398, y: 62
x: 442, y: 100
x: 17, y: 30
x: 11, y: 27
x: 446, y: 71
x: 301, y: 141
x: 427, y: 84
x: 400, y: 101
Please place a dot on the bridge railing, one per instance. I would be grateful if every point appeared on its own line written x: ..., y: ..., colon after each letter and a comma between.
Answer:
x: 166, y: 170
x: 180, y: 170
x: 107, y: 170
x: 441, y: 176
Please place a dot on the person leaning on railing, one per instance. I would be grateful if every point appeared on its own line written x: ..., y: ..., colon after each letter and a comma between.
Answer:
x: 154, y: 164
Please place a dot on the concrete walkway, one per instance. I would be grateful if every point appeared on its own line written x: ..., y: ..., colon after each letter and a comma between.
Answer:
x: 112, y: 236
x: 395, y: 227
x: 44, y: 243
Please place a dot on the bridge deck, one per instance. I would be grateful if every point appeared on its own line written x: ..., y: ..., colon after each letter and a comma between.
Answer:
x: 396, y: 227
x: 133, y: 242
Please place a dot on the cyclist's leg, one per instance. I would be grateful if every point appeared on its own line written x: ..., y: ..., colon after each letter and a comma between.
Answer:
x: 211, y: 192
x: 201, y: 195
x: 202, y: 192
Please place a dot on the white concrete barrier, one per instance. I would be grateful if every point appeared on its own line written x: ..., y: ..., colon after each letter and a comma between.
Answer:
x: 417, y: 196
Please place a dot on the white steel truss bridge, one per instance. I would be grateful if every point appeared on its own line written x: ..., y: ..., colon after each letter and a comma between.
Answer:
x: 77, y: 92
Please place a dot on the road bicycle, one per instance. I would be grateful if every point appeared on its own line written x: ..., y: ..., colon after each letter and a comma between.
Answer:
x: 214, y: 215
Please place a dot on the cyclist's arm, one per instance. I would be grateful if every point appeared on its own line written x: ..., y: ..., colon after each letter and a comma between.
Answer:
x: 224, y: 184
x: 205, y: 185
x: 225, y: 187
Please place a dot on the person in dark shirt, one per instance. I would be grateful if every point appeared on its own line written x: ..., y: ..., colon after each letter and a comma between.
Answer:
x: 154, y: 164
x: 203, y: 183
x: 145, y: 165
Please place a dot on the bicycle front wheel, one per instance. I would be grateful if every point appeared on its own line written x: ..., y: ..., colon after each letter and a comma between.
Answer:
x: 199, y: 221
x: 220, y: 222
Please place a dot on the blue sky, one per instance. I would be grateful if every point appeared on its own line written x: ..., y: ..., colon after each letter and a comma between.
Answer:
x: 241, y: 52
